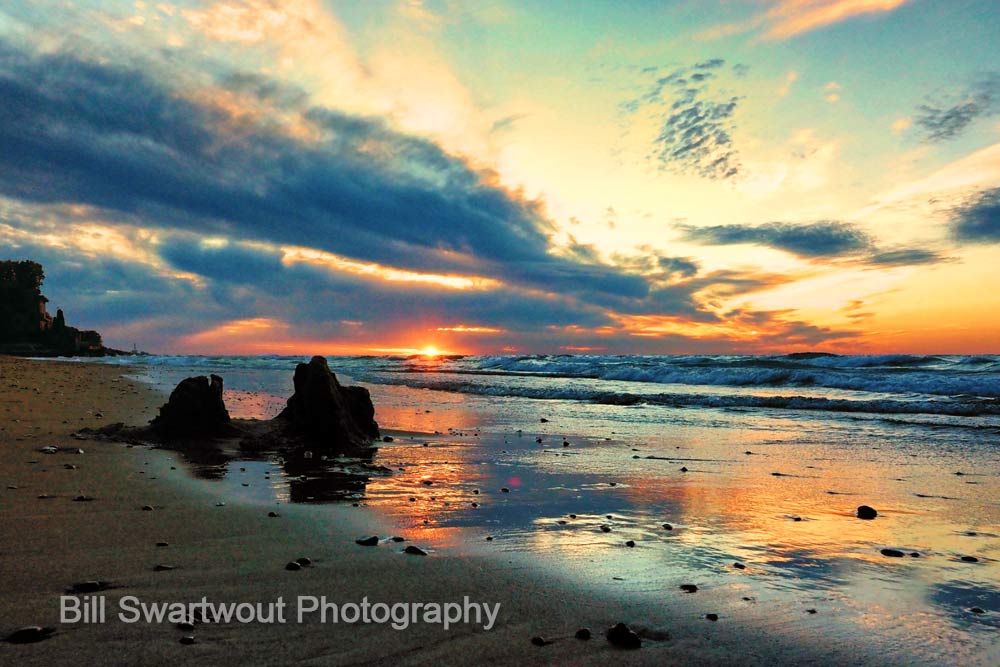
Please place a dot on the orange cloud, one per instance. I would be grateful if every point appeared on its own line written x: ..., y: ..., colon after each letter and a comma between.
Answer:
x: 788, y: 18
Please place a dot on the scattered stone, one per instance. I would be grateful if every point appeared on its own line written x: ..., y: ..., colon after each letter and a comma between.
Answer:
x: 187, y: 640
x: 810, y: 611
x: 543, y: 420
x: 414, y: 551
x: 273, y: 515
x: 621, y: 636
x: 866, y: 512
x: 539, y: 641
x: 396, y: 538
x: 739, y: 566
x: 977, y: 610
x: 583, y: 633
x: 689, y: 588
x: 605, y: 529
x: 371, y: 541
x: 667, y: 526
x: 572, y: 516
x: 163, y: 568
x: 69, y: 466
x: 630, y: 543
x: 712, y: 617
x: 970, y: 559
x: 304, y: 561
x: 29, y: 635
x: 163, y: 544
x: 489, y: 538
x: 147, y: 508
x: 684, y: 469
x: 83, y: 499
x: 388, y: 438
x: 504, y: 489
x: 185, y: 626
x: 892, y: 553
x: 88, y: 587
x: 292, y: 566
x: 914, y: 554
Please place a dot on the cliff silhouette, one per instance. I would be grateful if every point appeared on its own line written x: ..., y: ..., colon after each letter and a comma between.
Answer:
x: 27, y: 328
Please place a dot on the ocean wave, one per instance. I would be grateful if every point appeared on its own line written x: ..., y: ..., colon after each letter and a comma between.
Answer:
x: 941, y: 406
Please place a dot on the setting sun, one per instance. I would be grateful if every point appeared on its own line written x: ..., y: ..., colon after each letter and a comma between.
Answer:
x: 431, y: 351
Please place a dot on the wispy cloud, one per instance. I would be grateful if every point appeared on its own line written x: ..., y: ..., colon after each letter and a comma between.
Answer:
x: 788, y: 18
x: 694, y: 121
x: 948, y: 118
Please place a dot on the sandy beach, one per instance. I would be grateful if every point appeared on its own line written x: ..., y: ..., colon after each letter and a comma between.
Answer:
x: 236, y: 552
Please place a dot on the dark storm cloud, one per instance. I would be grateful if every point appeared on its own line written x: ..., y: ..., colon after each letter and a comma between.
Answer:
x: 695, y: 121
x: 75, y: 131
x: 978, y: 221
x: 947, y: 119
x: 826, y: 238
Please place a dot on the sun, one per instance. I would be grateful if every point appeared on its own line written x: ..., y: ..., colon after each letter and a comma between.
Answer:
x: 431, y: 351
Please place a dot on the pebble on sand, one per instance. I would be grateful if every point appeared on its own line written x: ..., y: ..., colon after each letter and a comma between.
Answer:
x: 147, y: 508
x: 866, y: 512
x: 630, y: 543
x: 622, y: 636
x: 304, y: 561
x: 689, y: 588
x: 163, y: 568
x: 605, y: 529
x: 414, y: 551
x: 539, y: 641
x: 667, y: 526
x: 188, y: 639
x: 273, y: 515
x: 29, y: 635
x: 892, y: 553
x: 739, y: 566
x: 371, y: 541
x: 712, y: 617
x: 89, y: 587
x: 970, y: 559
x: 83, y: 499
x: 292, y: 566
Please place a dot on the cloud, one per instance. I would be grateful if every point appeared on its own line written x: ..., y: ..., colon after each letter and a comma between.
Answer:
x: 948, y: 119
x: 815, y: 240
x: 789, y: 18
x: 826, y: 238
x: 978, y: 220
x: 694, y: 123
x: 905, y: 257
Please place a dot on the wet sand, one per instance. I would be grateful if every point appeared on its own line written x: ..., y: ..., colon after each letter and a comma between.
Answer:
x: 237, y: 553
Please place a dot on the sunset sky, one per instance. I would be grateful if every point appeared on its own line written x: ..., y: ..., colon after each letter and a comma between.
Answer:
x: 687, y: 176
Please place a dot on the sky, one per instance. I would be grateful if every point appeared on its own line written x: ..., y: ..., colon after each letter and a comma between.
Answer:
x: 391, y: 177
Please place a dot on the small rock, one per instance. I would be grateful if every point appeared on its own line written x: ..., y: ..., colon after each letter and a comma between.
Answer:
x: 689, y: 588
x: 388, y: 438
x: 29, y: 635
x: 83, y: 499
x: 605, y: 529
x: 163, y: 544
x: 583, y: 633
x: 810, y: 611
x: 970, y: 559
x: 187, y: 640
x: 504, y: 489
x: 892, y: 553
x: 712, y: 617
x: 415, y: 551
x: 977, y: 610
x: 147, y: 508
x: 304, y: 561
x: 185, y: 626
x: 739, y: 566
x: 866, y: 512
x: 539, y: 641
x: 396, y: 538
x: 88, y: 587
x: 684, y: 469
x: 914, y: 554
x: 163, y: 568
x: 667, y: 526
x: 621, y: 635
x: 543, y: 420
x: 368, y: 541
x: 292, y: 566
x: 273, y: 515
x: 489, y: 538
x: 630, y: 543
